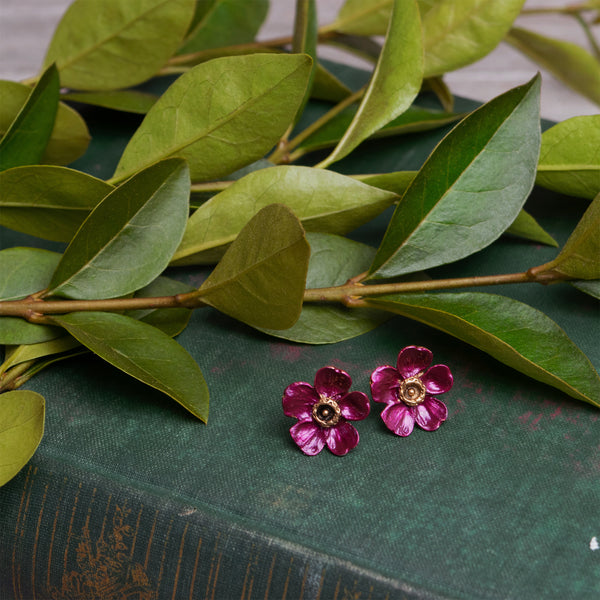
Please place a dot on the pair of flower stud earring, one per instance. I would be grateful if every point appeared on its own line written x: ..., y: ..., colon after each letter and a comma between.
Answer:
x: 408, y: 390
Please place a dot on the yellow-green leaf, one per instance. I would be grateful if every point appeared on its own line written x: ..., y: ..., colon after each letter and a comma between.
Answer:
x: 261, y: 278
x: 570, y: 63
x: 70, y: 136
x: 21, y: 430
x: 570, y: 157
x: 221, y: 115
x: 391, y: 89
x: 114, y: 44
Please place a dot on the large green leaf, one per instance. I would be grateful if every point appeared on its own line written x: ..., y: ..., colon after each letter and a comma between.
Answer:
x: 580, y: 256
x: 27, y: 137
x: 224, y: 23
x: 524, y: 226
x: 25, y: 271
x: 261, y: 278
x: 570, y: 157
x: 469, y: 190
x: 47, y: 201
x: 569, y: 62
x: 116, y: 44
x: 129, y: 238
x: 21, y: 430
x: 391, y: 90
x: 510, y: 331
x: 333, y: 260
x: 69, y: 138
x: 144, y: 352
x: 323, y: 201
x: 459, y: 33
x: 221, y: 115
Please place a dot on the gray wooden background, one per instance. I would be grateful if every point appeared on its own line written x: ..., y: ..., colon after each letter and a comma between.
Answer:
x: 26, y: 27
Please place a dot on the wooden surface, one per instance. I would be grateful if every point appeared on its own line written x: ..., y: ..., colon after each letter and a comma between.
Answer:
x: 26, y: 27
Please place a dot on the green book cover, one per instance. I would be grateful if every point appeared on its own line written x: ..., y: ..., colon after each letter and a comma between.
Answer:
x: 129, y: 496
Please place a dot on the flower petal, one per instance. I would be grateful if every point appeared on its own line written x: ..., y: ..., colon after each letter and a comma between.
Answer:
x: 298, y: 400
x: 399, y: 418
x: 309, y: 437
x: 341, y: 438
x: 385, y: 382
x: 413, y: 359
x: 331, y: 382
x: 354, y: 406
x: 431, y: 413
x: 437, y: 379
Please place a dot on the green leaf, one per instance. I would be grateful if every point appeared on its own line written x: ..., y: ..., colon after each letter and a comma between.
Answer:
x: 171, y: 321
x: 21, y: 430
x: 570, y: 157
x: 69, y: 138
x: 324, y: 201
x: 15, y: 355
x: 459, y: 33
x: 49, y: 202
x: 304, y: 41
x: 397, y: 181
x: 119, y: 44
x: 131, y: 101
x: 391, y: 90
x: 144, y: 352
x: 129, y: 238
x: 261, y: 278
x: 25, y: 271
x: 510, y: 331
x: 580, y: 256
x: 363, y: 17
x: 224, y: 23
x: 591, y: 287
x: 327, y: 86
x: 220, y: 115
x: 15, y: 331
x: 27, y: 137
x: 469, y: 190
x: 526, y: 227
x: 570, y: 63
x: 333, y: 260
x: 414, y: 119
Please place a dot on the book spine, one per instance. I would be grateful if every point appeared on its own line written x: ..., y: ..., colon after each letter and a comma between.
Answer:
x: 69, y: 534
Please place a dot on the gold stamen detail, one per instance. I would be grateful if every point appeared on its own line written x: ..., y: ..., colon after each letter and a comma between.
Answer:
x: 412, y: 391
x: 326, y: 412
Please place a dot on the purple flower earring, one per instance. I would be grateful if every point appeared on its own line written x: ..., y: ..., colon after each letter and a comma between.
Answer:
x: 323, y: 412
x: 409, y: 390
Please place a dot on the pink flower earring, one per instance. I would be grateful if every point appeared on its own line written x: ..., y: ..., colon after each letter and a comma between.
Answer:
x: 409, y: 390
x: 323, y: 411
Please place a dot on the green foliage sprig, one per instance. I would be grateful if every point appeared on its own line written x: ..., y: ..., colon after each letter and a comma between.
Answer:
x: 208, y: 179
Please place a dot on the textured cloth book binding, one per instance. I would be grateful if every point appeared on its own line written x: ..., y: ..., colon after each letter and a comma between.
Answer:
x: 130, y: 497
